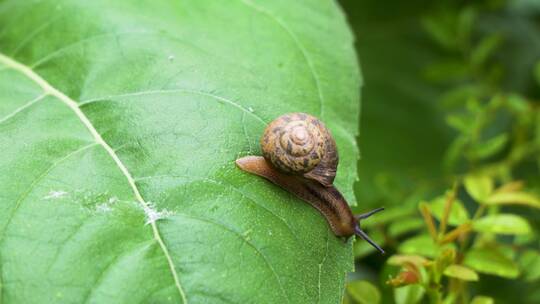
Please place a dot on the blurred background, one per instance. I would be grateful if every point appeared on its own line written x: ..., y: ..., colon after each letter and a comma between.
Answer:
x: 450, y: 145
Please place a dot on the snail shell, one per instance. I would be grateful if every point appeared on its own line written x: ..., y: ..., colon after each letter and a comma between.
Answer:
x: 300, y: 144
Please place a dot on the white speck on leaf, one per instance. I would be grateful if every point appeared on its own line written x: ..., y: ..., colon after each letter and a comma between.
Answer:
x: 171, y: 58
x: 248, y: 232
x: 152, y: 214
x: 106, y: 206
x: 55, y: 194
x: 103, y: 207
x: 251, y: 109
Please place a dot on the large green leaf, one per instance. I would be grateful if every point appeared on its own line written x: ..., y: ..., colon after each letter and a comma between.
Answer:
x: 119, y: 125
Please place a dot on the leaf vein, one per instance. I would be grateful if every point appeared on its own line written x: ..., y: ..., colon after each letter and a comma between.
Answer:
x: 172, y: 91
x: 41, y: 176
x: 22, y: 108
x: 321, y: 264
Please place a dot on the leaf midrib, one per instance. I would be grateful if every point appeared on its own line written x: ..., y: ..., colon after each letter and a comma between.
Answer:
x: 50, y: 90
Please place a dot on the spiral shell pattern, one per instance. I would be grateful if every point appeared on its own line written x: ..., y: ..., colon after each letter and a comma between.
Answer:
x: 299, y: 143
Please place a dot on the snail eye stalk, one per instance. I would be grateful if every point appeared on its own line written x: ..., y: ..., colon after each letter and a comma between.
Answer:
x: 359, y: 232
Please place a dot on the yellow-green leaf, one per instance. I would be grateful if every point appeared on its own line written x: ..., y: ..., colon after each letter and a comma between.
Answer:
x: 405, y: 225
x: 479, y: 187
x: 402, y: 259
x: 482, y: 300
x: 363, y: 292
x: 409, y: 294
x: 461, y: 272
x: 491, y: 146
x: 458, y: 213
x: 491, y: 262
x: 502, y: 224
x: 513, y: 198
x: 530, y: 263
x: 422, y: 245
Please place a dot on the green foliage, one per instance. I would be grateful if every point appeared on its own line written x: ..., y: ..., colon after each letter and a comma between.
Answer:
x: 362, y: 292
x: 461, y: 272
x: 119, y: 125
x: 485, y: 227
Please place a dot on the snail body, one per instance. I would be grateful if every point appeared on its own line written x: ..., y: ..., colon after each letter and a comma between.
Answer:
x: 300, y: 156
x: 327, y: 200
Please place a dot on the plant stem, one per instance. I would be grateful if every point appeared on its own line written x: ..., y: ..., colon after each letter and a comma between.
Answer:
x: 447, y: 208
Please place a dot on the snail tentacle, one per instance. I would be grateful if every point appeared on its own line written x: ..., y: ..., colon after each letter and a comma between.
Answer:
x: 358, y: 231
x: 368, y: 214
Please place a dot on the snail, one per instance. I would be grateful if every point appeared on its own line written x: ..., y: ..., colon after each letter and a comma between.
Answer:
x: 300, y: 156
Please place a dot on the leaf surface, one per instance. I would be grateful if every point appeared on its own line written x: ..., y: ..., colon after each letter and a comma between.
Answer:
x: 491, y: 262
x: 364, y: 292
x: 502, y: 224
x: 461, y: 272
x: 119, y: 126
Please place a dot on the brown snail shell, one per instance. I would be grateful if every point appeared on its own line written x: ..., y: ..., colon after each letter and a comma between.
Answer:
x: 300, y: 144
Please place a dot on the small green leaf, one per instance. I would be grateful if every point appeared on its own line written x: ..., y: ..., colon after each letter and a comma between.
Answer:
x: 530, y: 264
x: 402, y: 259
x: 461, y: 272
x: 460, y: 122
x: 404, y: 226
x: 485, y: 49
x: 422, y: 245
x: 409, y: 294
x: 458, y: 213
x: 479, y: 187
x: 458, y: 95
x: 455, y: 151
x: 491, y: 262
x: 517, y: 103
x: 465, y: 23
x: 502, y: 224
x: 482, y: 300
x: 446, y: 71
x: 513, y: 198
x: 363, y: 292
x: 490, y: 147
x: 442, y: 27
